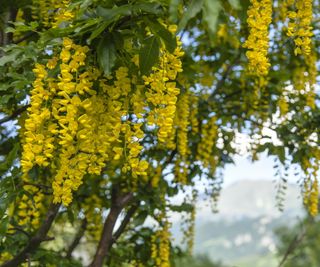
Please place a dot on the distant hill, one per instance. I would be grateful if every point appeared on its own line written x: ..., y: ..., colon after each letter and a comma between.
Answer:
x: 241, y: 234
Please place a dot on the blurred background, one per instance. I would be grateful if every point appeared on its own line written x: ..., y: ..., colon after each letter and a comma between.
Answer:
x: 254, y: 223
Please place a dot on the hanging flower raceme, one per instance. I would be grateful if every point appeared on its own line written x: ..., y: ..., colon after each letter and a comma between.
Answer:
x: 68, y: 130
x: 311, y: 194
x: 183, y: 123
x: 160, y: 246
x: 300, y: 27
x: 51, y: 13
x: 79, y: 120
x: 194, y: 114
x: 209, y: 133
x: 259, y: 19
x: 162, y: 93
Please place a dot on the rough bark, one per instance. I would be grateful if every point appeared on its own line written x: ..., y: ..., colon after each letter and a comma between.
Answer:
x: 106, y: 240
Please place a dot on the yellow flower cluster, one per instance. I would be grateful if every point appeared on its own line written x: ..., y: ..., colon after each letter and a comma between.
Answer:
x: 160, y: 246
x: 162, y: 93
x: 156, y: 176
x: 304, y: 78
x: 194, y: 114
x: 207, y: 77
x: 38, y: 145
x: 132, y: 137
x: 63, y: 14
x: 78, y: 114
x: 181, y: 171
x: 209, y: 134
x: 51, y: 12
x: 119, y: 105
x: 31, y: 204
x: 68, y: 120
x: 283, y: 106
x: 183, y: 112
x: 5, y: 256
x: 73, y: 129
x: 314, y: 198
x: 92, y: 208
x: 300, y: 27
x: 30, y: 207
x: 259, y: 19
x: 311, y: 195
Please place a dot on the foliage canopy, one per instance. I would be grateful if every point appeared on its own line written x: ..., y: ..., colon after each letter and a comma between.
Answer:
x: 112, y: 108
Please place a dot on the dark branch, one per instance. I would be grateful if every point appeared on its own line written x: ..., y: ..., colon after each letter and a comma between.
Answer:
x: 36, y: 240
x: 124, y: 223
x: 292, y: 247
x: 77, y: 238
x: 23, y: 38
x: 170, y: 158
x: 15, y: 114
x: 118, y: 202
x: 224, y: 77
x: 20, y: 230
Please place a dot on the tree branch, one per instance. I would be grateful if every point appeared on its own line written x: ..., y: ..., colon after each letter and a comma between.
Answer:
x: 20, y: 230
x: 15, y: 114
x: 106, y: 240
x: 224, y: 77
x: 23, y: 38
x: 77, y: 238
x: 36, y: 240
x: 124, y: 223
x: 292, y: 246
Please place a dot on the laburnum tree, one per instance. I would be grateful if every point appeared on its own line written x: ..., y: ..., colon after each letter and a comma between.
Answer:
x: 111, y: 108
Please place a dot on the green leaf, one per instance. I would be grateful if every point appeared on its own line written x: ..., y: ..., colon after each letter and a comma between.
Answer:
x: 193, y: 9
x: 113, y: 14
x: 13, y: 154
x: 235, y: 4
x: 98, y: 30
x: 4, y: 226
x: 183, y: 207
x: 174, y: 10
x: 106, y: 53
x: 211, y: 10
x: 140, y: 218
x: 152, y: 8
x: 149, y: 54
x: 167, y: 37
x: 70, y: 215
x: 9, y: 57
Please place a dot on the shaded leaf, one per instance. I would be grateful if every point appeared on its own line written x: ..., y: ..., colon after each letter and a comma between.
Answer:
x: 106, y: 53
x: 149, y: 54
x: 211, y: 10
x: 235, y: 4
x: 193, y: 9
x: 152, y: 8
x: 174, y: 10
x: 167, y: 37
x: 113, y: 13
x: 99, y: 30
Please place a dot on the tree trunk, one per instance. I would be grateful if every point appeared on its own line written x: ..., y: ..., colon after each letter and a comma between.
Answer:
x: 106, y: 240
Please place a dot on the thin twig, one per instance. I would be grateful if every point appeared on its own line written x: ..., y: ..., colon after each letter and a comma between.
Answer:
x: 292, y: 247
x: 77, y: 238
x: 23, y: 38
x: 20, y: 230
